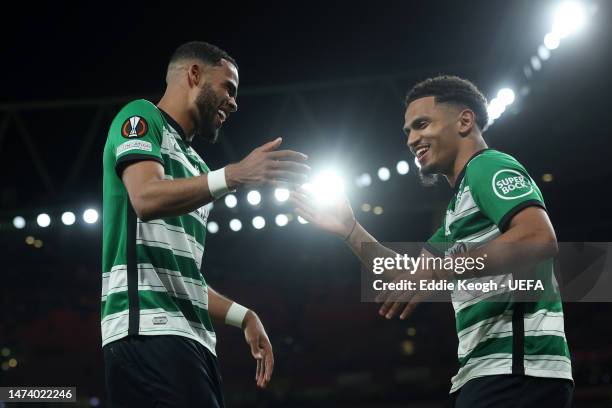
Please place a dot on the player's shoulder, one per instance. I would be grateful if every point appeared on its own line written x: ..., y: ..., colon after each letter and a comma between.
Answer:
x: 139, y: 107
x: 491, y: 159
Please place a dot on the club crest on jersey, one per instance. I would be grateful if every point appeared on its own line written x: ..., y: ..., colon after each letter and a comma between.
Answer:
x: 135, y: 126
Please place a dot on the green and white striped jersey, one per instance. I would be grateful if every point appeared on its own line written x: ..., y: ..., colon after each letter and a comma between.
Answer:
x: 490, y: 190
x: 151, y: 271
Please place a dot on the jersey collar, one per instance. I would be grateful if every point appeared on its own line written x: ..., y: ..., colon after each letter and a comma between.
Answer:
x: 462, y: 173
x: 176, y: 126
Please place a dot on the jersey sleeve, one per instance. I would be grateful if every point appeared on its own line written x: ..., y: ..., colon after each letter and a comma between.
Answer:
x: 501, y: 187
x: 135, y: 135
x: 436, y: 244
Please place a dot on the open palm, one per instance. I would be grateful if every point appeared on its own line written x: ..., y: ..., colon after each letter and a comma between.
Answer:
x: 336, y: 217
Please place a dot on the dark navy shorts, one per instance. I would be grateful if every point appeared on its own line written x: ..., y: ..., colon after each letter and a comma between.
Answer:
x: 514, y: 391
x: 161, y: 371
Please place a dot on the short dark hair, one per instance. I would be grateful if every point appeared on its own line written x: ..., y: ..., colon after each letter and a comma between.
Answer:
x: 454, y: 90
x: 201, y: 51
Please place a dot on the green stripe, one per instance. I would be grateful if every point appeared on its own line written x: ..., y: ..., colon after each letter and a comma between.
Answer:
x: 165, y: 258
x: 190, y: 225
x: 534, y: 345
x: 468, y: 225
x: 118, y: 302
x: 485, y: 309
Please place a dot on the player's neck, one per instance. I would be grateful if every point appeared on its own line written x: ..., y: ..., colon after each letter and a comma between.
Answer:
x: 179, y: 112
x: 466, y: 152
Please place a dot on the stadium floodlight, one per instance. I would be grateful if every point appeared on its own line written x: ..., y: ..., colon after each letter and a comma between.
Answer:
x: 363, y: 180
x: 68, y: 218
x: 281, y: 194
x: 569, y: 18
x: 253, y: 197
x: 506, y: 96
x: 384, y: 174
x: 212, y: 227
x: 402, y: 167
x: 326, y: 187
x: 19, y: 222
x: 43, y: 220
x: 90, y: 216
x: 281, y: 220
x: 235, y: 225
x: 302, y: 220
x: 259, y: 222
x: 495, y: 109
x: 231, y: 201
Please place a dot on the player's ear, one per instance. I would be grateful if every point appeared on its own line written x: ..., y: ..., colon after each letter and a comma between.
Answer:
x: 467, y: 121
x: 194, y: 75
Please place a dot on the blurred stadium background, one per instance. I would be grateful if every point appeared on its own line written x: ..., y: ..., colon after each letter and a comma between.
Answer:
x: 329, y: 79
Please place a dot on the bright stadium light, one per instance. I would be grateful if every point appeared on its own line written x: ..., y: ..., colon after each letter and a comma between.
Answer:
x: 90, y: 216
x: 363, y: 180
x: 326, y: 187
x: 212, y: 227
x: 43, y: 220
x: 19, y: 222
x: 259, y: 222
x: 569, y: 18
x: 543, y: 53
x: 506, y: 96
x: 253, y: 197
x: 281, y: 220
x: 402, y: 167
x: 281, y: 194
x: 495, y: 109
x: 235, y: 225
x: 231, y: 201
x: 302, y: 220
x: 68, y: 218
x: 384, y: 174
x: 552, y: 41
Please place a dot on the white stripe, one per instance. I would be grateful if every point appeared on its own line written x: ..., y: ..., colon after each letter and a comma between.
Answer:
x: 201, y: 214
x: 159, y: 234
x: 168, y: 147
x: 463, y: 298
x: 158, y: 280
x: 116, y: 325
x: 541, y: 323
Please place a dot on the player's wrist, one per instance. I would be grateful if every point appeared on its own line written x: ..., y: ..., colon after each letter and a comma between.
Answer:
x: 237, y: 315
x: 231, y: 176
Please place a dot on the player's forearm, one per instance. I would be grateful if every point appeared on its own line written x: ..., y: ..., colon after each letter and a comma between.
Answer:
x: 218, y: 305
x: 366, y: 248
x: 167, y: 198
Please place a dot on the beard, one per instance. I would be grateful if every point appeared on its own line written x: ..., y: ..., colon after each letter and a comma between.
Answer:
x: 428, y: 176
x: 207, y: 105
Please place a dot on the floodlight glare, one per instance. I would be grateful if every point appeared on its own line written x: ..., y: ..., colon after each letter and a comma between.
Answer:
x: 281, y: 220
x: 569, y: 18
x: 19, y: 222
x: 253, y: 197
x: 384, y: 174
x: 281, y: 194
x: 90, y: 216
x: 259, y: 222
x: 43, y: 220
x: 231, y: 201
x: 212, y: 227
x: 506, y: 96
x: 551, y: 41
x: 326, y: 187
x: 363, y: 180
x: 68, y: 218
x: 235, y: 225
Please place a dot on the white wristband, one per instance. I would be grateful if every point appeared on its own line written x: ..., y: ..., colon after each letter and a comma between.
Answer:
x: 235, y: 315
x: 217, y: 184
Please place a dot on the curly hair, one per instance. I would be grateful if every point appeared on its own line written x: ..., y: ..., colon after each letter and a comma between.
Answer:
x: 453, y: 90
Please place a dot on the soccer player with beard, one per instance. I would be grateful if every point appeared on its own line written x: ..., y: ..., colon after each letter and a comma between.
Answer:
x: 157, y: 308
x: 511, y: 353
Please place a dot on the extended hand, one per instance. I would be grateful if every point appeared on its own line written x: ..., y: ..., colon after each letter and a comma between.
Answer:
x: 336, y: 217
x: 266, y: 165
x: 261, y: 349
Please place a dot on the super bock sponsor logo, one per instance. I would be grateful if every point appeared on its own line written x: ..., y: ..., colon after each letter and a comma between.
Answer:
x: 509, y: 184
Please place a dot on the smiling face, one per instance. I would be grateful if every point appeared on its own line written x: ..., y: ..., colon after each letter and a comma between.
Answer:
x: 433, y: 131
x: 215, y: 100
